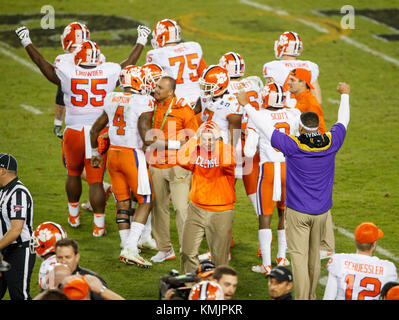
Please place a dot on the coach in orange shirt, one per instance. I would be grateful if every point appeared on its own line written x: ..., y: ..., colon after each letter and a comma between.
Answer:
x: 212, y: 196
x: 299, y: 85
x: 173, y: 120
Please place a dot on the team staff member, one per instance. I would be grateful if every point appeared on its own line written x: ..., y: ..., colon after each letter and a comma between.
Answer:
x: 280, y: 283
x: 16, y: 218
x: 172, y: 121
x: 212, y: 195
x: 310, y: 163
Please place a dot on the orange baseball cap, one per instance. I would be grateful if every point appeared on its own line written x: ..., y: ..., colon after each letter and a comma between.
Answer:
x: 303, y: 74
x: 393, y: 293
x: 76, y: 289
x: 368, y: 232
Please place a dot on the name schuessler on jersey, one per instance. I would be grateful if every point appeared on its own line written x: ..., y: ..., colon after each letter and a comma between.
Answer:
x: 214, y: 309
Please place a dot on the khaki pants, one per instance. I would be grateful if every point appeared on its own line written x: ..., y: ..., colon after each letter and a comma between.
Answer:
x: 304, y: 232
x: 216, y: 226
x: 169, y: 184
x: 328, y: 239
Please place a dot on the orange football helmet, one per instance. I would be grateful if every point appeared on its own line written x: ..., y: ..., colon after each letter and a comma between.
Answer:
x: 87, y: 54
x: 73, y: 34
x: 152, y: 72
x: 206, y: 290
x: 272, y: 95
x: 214, y: 81
x: 234, y: 64
x: 132, y: 77
x: 44, y: 238
x: 165, y: 31
x: 289, y: 43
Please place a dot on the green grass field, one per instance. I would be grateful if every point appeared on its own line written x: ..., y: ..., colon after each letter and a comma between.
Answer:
x: 366, y: 179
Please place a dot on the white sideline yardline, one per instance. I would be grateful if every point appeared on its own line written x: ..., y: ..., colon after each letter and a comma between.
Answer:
x: 335, y: 101
x: 30, y: 108
x: 315, y: 26
x: 22, y: 61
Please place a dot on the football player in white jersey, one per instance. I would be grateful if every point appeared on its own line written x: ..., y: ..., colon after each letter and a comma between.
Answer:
x: 222, y: 107
x: 235, y: 65
x: 360, y: 275
x: 271, y: 180
x: 74, y: 34
x: 85, y: 85
x: 286, y: 49
x: 42, y: 243
x: 129, y: 115
x: 182, y: 61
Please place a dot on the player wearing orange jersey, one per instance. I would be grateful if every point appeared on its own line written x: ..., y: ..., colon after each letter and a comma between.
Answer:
x: 173, y: 120
x: 212, y: 195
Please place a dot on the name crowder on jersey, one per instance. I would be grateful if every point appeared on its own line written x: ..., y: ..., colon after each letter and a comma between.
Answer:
x: 93, y: 73
x: 364, y: 268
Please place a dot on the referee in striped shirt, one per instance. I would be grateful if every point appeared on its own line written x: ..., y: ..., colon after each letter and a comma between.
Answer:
x: 16, y: 218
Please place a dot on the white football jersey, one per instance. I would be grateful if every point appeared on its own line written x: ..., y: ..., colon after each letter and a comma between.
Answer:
x: 219, y: 109
x: 44, y: 267
x: 360, y: 277
x: 181, y: 62
x: 285, y: 120
x: 124, y: 110
x: 84, y: 91
x: 280, y: 70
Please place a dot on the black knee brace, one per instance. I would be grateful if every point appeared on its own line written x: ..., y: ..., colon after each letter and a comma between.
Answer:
x: 123, y: 219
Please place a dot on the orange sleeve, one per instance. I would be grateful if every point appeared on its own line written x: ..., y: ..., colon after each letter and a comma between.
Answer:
x: 201, y: 67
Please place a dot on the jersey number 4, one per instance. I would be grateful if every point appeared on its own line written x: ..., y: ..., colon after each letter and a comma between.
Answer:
x: 119, y: 121
x: 364, y: 283
x: 182, y: 61
x: 80, y: 88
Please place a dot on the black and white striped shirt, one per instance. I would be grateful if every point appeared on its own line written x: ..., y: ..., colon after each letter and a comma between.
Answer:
x: 16, y: 203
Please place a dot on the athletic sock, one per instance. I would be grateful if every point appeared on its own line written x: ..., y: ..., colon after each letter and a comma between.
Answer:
x: 73, y: 208
x: 147, y: 228
x: 124, y: 234
x: 282, y: 244
x: 136, y: 229
x: 99, y: 219
x: 252, y: 197
x: 265, y: 240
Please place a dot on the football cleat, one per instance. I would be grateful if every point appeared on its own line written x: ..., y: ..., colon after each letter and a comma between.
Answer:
x: 208, y: 256
x: 162, y: 256
x: 262, y: 269
x: 325, y: 254
x: 44, y: 238
x: 99, y: 232
x: 87, y: 206
x: 131, y: 256
x: 74, y: 222
x: 147, y: 243
x: 282, y: 262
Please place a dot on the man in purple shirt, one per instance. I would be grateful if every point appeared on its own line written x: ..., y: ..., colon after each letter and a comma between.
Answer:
x: 310, y: 164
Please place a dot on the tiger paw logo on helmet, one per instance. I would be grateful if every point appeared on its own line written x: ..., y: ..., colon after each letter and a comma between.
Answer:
x: 221, y: 78
x: 289, y: 43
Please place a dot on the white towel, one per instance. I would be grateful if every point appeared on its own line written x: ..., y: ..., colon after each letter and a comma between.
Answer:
x: 277, y: 182
x: 87, y: 141
x: 144, y: 187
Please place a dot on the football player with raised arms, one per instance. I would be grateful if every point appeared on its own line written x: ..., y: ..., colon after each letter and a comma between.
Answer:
x: 85, y: 85
x: 183, y: 61
x: 271, y: 180
x: 360, y: 275
x: 74, y: 34
x: 42, y: 243
x: 129, y: 114
x: 286, y: 49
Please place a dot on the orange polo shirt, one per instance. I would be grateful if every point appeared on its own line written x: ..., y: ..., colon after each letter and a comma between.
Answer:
x: 213, y: 180
x: 179, y: 122
x: 306, y: 101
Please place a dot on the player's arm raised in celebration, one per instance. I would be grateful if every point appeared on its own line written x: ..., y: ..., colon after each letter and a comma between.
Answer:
x: 45, y: 67
x: 99, y: 124
x: 142, y: 36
